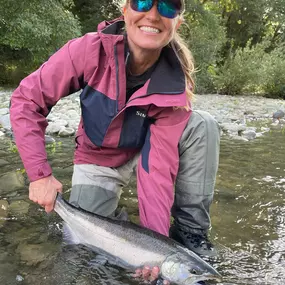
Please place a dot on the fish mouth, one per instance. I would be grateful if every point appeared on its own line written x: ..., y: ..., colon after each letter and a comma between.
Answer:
x: 215, y: 277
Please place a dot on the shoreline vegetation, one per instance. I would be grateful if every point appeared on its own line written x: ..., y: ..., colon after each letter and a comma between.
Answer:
x: 238, y: 46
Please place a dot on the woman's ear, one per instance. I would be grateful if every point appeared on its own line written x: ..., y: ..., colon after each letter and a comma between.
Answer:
x: 124, y: 10
x: 178, y: 24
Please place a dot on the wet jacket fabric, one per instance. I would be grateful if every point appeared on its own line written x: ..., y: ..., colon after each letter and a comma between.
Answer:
x: 111, y: 130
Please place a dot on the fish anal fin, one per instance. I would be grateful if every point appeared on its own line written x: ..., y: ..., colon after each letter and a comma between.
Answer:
x: 69, y: 236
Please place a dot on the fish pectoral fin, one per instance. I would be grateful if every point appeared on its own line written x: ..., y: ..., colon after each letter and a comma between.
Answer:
x: 111, y: 259
x: 69, y: 236
x: 99, y: 260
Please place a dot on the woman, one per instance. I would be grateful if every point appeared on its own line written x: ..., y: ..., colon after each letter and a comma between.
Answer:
x: 135, y: 76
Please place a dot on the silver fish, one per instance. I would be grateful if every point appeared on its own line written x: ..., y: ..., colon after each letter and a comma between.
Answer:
x: 131, y: 246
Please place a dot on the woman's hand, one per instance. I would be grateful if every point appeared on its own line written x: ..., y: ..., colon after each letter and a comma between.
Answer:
x: 44, y: 191
x: 150, y: 274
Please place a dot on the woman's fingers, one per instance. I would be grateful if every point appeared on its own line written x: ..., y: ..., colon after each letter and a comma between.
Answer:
x: 138, y: 273
x: 154, y: 273
x: 150, y: 274
x: 44, y: 191
x: 146, y: 273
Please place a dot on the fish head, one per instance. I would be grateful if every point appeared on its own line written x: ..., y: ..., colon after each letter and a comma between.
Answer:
x: 187, y: 269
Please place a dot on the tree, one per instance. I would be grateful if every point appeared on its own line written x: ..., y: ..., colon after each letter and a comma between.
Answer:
x: 31, y: 30
x: 252, y: 20
x: 91, y: 13
x: 205, y: 37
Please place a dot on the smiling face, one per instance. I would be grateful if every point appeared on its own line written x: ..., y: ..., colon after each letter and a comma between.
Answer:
x: 148, y: 31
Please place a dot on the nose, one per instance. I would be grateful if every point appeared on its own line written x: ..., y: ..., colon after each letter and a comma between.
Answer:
x: 153, y: 14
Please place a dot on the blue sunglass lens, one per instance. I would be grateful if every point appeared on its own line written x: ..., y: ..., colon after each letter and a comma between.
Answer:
x: 166, y: 8
x: 141, y: 5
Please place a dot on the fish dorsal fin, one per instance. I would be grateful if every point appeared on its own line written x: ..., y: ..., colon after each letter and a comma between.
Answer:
x: 69, y: 236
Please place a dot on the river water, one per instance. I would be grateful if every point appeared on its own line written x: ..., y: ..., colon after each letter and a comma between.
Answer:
x: 247, y: 220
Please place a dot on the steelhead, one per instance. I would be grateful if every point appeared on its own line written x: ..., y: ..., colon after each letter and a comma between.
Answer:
x: 131, y: 246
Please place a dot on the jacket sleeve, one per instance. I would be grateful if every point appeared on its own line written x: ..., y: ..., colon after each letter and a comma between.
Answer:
x: 34, y: 98
x: 157, y: 169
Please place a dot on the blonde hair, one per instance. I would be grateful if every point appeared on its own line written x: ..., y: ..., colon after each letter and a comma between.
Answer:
x: 185, y: 57
x: 187, y: 63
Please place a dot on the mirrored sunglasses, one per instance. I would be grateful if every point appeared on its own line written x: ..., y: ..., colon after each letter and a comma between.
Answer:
x: 166, y: 8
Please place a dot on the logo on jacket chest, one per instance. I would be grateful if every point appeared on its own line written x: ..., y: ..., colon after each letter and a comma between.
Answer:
x: 139, y: 113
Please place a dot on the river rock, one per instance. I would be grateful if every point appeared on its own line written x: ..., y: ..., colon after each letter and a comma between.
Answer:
x: 239, y: 138
x: 3, y: 162
x: 232, y: 128
x: 19, y: 278
x: 5, y: 121
x: 49, y: 139
x: 4, y: 111
x: 3, y: 211
x: 53, y: 128
x: 73, y: 124
x: 32, y: 254
x: 249, y: 134
x: 233, y: 113
x: 52, y: 117
x: 27, y: 235
x: 19, y: 207
x: 72, y: 114
x: 66, y: 132
x: 12, y: 181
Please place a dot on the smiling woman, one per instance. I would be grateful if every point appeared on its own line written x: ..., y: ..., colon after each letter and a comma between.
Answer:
x: 135, y: 74
x: 158, y: 13
x: 148, y: 32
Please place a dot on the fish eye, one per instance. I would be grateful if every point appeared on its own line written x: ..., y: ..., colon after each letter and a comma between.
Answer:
x: 195, y: 271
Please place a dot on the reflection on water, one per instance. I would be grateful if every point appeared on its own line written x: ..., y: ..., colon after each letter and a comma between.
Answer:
x: 247, y: 218
x: 248, y: 211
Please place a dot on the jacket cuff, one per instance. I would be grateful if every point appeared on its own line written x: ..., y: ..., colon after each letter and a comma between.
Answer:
x: 39, y: 172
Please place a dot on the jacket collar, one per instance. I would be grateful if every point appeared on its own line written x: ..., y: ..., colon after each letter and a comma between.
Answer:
x: 167, y: 77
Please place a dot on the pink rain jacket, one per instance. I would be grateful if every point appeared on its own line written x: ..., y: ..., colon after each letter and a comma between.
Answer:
x: 111, y: 130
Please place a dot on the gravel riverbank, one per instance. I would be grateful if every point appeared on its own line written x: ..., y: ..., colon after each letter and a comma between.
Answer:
x: 235, y: 114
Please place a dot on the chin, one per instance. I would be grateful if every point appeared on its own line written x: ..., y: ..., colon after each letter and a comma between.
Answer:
x: 150, y: 46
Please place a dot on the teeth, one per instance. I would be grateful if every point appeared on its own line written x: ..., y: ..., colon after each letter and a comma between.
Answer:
x: 149, y: 29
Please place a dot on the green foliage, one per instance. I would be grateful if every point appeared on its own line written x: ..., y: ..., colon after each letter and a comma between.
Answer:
x: 53, y: 147
x: 50, y: 148
x: 91, y: 13
x: 274, y: 82
x: 253, y: 70
x: 236, y: 44
x: 246, y: 21
x: 12, y: 147
x: 31, y: 30
x: 205, y: 36
x: 243, y: 72
x: 253, y: 20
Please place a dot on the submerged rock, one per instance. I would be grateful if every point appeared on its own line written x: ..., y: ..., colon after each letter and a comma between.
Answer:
x: 249, y: 134
x: 19, y: 207
x: 19, y: 278
x: 5, y: 121
x: 3, y: 162
x: 12, y: 181
x: 32, y: 254
x: 3, y: 211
